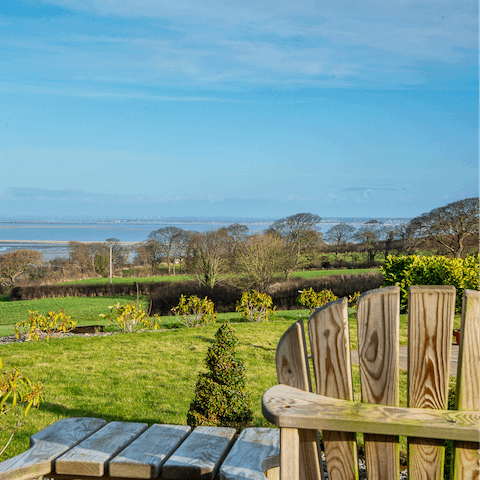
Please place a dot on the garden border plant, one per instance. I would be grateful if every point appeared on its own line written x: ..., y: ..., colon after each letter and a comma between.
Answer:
x: 255, y: 306
x: 17, y: 389
x: 39, y: 326
x: 194, y: 311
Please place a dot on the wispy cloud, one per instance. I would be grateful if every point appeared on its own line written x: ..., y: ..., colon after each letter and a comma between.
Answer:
x: 233, y: 44
x: 361, y: 189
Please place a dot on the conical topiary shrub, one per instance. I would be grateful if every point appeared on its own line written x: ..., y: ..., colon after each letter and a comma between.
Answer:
x: 220, y: 396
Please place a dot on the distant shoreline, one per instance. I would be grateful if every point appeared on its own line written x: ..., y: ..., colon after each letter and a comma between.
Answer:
x: 59, y: 242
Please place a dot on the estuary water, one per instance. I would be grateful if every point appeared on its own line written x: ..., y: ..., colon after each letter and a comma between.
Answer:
x: 51, y: 237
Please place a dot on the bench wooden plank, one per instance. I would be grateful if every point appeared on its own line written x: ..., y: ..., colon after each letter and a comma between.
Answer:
x: 431, y: 310
x: 292, y: 366
x: 466, y: 457
x: 289, y: 407
x: 90, y: 457
x: 330, y: 345
x: 378, y: 320
x: 200, y: 455
x: 145, y: 456
x: 47, y: 445
x: 255, y: 451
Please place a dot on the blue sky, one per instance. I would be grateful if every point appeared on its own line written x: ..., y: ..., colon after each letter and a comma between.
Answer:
x: 239, y: 109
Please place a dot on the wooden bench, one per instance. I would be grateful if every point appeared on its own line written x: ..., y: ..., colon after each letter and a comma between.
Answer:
x: 91, y: 448
x: 426, y: 421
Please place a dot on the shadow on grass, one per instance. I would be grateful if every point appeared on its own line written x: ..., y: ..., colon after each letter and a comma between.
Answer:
x: 64, y: 411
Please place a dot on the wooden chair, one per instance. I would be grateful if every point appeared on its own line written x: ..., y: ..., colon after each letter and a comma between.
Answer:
x: 426, y: 422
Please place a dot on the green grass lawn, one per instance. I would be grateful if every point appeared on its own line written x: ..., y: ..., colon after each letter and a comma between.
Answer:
x: 183, y: 278
x: 162, y: 278
x: 146, y: 377
x: 328, y: 273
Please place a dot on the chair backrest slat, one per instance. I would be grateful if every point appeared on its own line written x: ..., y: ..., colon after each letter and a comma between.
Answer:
x: 466, y: 457
x: 293, y: 370
x: 378, y: 322
x: 430, y: 325
x: 330, y: 346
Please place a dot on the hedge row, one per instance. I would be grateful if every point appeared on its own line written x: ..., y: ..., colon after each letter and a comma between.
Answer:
x: 165, y: 295
x: 406, y: 270
x: 32, y: 292
x: 284, y: 294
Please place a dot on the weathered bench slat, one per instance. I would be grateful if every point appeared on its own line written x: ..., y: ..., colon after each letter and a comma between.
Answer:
x: 200, y: 455
x: 145, y: 456
x: 289, y: 407
x: 47, y: 445
x: 466, y: 456
x: 330, y: 344
x: 255, y: 451
x: 291, y: 361
x: 431, y: 310
x: 378, y: 321
x: 91, y: 456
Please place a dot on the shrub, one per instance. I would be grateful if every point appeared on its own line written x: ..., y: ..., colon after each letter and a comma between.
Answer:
x: 131, y: 317
x: 406, y: 270
x: 220, y: 396
x: 255, y: 306
x: 353, y: 299
x: 194, y: 311
x: 312, y: 299
x: 16, y: 389
x: 40, y: 326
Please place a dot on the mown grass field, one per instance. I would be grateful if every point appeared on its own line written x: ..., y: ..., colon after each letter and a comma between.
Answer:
x: 183, y: 278
x: 145, y: 377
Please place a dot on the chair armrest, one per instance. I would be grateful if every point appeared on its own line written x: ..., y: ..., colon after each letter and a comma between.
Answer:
x: 292, y: 408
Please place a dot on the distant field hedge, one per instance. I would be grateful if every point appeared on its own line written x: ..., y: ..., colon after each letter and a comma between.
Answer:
x: 406, y: 270
x: 164, y: 296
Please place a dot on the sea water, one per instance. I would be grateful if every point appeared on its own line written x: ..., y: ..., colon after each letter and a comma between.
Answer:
x: 51, y: 237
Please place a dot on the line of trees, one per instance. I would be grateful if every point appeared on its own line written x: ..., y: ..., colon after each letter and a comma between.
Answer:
x: 289, y: 244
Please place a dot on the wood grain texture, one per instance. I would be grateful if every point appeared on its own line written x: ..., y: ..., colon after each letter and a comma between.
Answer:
x: 292, y: 366
x: 378, y: 321
x: 255, y: 451
x: 466, y: 456
x: 289, y: 407
x: 330, y: 345
x: 200, y: 455
x: 289, y: 454
x: 144, y: 457
x: 91, y: 456
x: 47, y: 445
x: 430, y: 324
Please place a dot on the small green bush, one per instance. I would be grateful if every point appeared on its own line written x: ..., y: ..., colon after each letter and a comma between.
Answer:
x: 16, y: 389
x: 312, y: 299
x: 406, y: 270
x: 353, y: 299
x: 220, y: 396
x: 255, y: 306
x: 40, y: 326
x: 131, y: 317
x: 194, y: 311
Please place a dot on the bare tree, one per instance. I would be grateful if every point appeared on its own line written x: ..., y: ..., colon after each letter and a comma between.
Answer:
x: 449, y: 226
x: 339, y: 235
x: 168, y: 240
x: 370, y: 236
x: 260, y: 257
x: 301, y: 236
x: 211, y: 255
x: 12, y: 264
